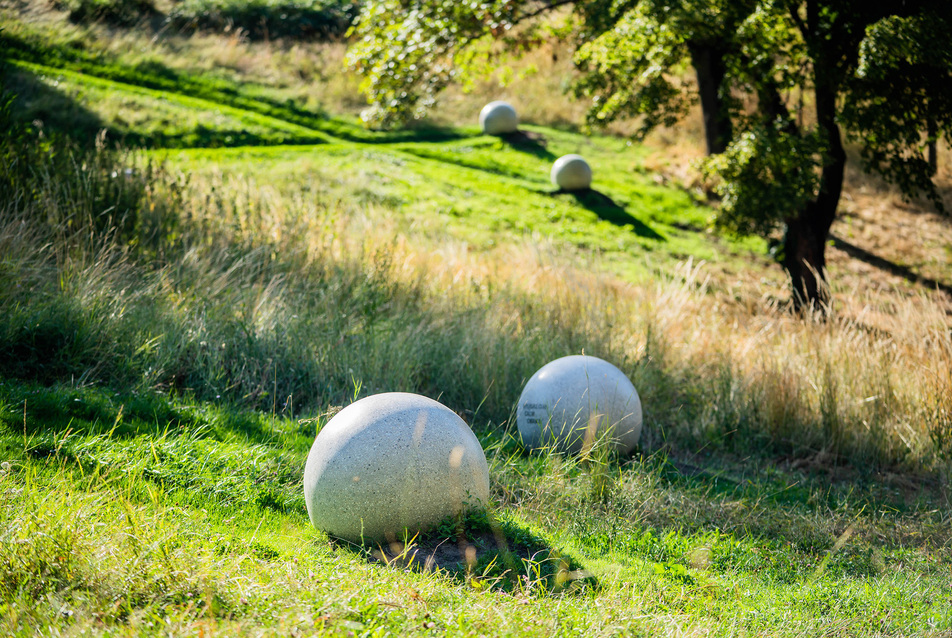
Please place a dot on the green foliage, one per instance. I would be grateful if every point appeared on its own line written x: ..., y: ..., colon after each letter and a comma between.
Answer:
x: 907, y: 61
x: 626, y: 72
x: 409, y: 52
x: 125, y: 13
x: 767, y: 175
x: 266, y: 19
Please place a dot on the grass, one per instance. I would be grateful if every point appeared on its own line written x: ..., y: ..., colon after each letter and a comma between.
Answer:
x: 180, y: 321
x: 482, y: 191
x: 202, y: 529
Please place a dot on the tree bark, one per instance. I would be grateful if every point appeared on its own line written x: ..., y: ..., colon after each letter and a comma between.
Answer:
x: 804, y: 256
x: 933, y: 134
x: 807, y: 233
x: 708, y: 62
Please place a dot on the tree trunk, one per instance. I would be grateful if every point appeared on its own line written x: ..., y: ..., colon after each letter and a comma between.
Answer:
x: 708, y: 62
x: 804, y: 257
x: 805, y: 242
x: 933, y: 135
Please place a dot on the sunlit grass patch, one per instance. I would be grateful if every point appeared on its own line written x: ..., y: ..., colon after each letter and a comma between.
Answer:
x: 138, y: 115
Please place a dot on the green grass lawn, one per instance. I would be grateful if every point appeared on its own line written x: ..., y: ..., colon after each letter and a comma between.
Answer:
x: 143, y: 515
x: 485, y: 191
x: 165, y: 367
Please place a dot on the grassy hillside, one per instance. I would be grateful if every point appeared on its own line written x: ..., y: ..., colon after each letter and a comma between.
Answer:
x: 179, y: 321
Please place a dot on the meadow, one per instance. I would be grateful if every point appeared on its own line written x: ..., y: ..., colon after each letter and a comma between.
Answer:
x: 204, y: 255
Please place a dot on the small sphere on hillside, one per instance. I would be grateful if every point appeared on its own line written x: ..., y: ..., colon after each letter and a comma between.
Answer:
x: 571, y: 173
x: 574, y: 402
x: 393, y: 464
x: 498, y: 118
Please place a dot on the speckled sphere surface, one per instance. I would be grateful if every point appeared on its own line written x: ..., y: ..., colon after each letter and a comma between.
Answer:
x: 498, y: 118
x: 392, y: 463
x: 572, y: 402
x: 571, y: 173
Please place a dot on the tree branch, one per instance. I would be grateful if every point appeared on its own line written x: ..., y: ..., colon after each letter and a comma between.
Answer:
x: 797, y: 20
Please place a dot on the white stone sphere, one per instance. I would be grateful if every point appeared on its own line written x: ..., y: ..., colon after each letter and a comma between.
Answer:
x: 498, y: 118
x: 573, y: 402
x: 391, y: 464
x: 571, y: 173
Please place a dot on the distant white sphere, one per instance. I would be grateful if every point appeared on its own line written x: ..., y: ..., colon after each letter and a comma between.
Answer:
x: 573, y: 402
x: 571, y: 173
x: 498, y: 118
x: 391, y: 464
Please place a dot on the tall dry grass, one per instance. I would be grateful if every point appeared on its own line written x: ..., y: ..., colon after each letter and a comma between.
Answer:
x: 226, y: 287
x: 283, y: 300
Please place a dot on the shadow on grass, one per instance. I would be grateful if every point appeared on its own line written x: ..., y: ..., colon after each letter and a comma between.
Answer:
x: 485, y: 553
x: 58, y: 113
x: 32, y: 409
x: 892, y: 268
x: 529, y: 142
x: 607, y: 209
x: 204, y: 137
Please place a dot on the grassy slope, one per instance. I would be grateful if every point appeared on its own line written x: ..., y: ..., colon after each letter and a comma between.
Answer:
x: 174, y: 516
x: 480, y: 189
x: 137, y: 513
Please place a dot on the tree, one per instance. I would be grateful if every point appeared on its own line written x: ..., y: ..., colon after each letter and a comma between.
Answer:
x: 779, y: 81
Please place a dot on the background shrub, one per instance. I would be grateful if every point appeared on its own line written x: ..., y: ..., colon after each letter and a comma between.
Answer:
x: 125, y: 13
x: 267, y: 19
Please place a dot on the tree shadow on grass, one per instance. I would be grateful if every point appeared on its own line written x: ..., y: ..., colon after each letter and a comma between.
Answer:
x: 484, y: 552
x: 56, y: 112
x: 892, y: 268
x: 788, y: 495
x: 41, y: 410
x: 607, y: 209
x: 157, y: 76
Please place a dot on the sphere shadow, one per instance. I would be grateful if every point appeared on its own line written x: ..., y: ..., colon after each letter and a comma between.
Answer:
x: 483, y: 552
x: 607, y: 209
x: 528, y: 142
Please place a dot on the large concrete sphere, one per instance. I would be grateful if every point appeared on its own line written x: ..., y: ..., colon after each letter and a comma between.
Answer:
x: 392, y: 463
x: 498, y: 118
x: 573, y: 402
x: 571, y: 173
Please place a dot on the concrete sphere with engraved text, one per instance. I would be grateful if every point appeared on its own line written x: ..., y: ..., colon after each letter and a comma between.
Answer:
x: 393, y: 464
x: 498, y: 118
x: 577, y: 402
x: 571, y: 173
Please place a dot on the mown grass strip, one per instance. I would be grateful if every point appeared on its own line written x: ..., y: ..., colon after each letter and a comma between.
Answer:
x: 294, y: 133
x: 456, y: 189
x: 28, y: 47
